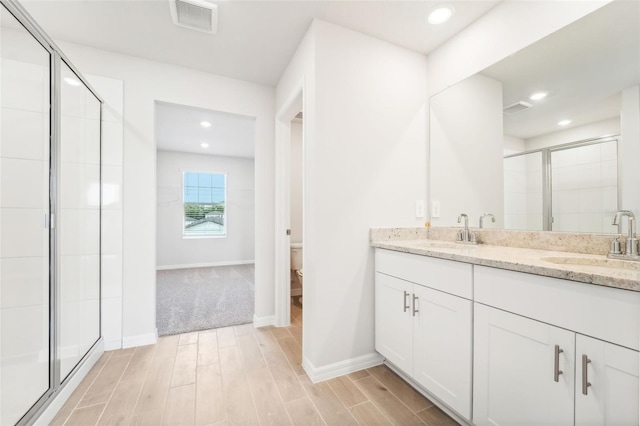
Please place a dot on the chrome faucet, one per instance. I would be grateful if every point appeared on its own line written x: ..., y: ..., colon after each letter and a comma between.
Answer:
x: 464, y: 236
x: 632, y: 242
x: 482, y: 216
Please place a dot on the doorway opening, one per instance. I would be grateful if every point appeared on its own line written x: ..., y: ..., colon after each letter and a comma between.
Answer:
x: 205, y: 219
x: 289, y: 223
x: 296, y: 242
x: 291, y: 290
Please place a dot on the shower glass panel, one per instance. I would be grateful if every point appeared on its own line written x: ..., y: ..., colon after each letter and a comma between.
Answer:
x: 585, y: 187
x: 78, y: 221
x: 523, y: 192
x: 24, y: 211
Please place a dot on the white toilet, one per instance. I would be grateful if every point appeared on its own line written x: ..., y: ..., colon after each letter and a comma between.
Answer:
x: 296, y: 267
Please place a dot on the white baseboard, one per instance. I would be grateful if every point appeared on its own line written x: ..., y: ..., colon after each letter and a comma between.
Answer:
x: 319, y: 374
x: 63, y: 394
x: 263, y: 321
x: 205, y: 265
x: 140, y: 340
x: 112, y: 345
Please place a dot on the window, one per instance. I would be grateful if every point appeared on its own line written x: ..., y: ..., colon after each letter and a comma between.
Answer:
x: 204, y: 199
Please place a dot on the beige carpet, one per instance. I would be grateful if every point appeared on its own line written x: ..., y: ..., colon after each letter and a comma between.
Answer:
x: 203, y: 298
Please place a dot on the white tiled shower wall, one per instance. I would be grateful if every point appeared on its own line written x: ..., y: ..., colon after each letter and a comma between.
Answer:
x: 24, y: 251
x: 585, y: 188
x: 523, y: 192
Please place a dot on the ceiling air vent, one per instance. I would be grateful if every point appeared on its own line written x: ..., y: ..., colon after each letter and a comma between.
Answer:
x: 195, y: 14
x: 517, y: 107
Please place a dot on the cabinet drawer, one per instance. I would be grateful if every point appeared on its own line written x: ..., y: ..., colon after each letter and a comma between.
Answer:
x: 444, y: 275
x: 606, y: 313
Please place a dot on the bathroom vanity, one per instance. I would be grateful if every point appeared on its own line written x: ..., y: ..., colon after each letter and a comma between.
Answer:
x: 503, y: 335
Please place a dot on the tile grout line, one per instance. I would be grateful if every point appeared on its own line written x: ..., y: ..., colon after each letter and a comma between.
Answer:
x: 399, y: 399
x: 115, y: 386
x: 144, y: 380
x: 195, y: 396
x: 75, y: 407
x: 166, y: 395
x: 224, y: 394
x: 246, y: 377
x: 376, y: 405
x: 311, y: 400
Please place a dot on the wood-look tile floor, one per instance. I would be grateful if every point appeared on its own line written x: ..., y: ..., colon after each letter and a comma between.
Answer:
x: 237, y: 375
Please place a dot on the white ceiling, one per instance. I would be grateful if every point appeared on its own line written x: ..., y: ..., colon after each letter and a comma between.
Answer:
x: 584, y: 67
x: 255, y: 39
x: 178, y: 129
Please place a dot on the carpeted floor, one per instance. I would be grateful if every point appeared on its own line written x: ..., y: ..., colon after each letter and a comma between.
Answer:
x: 204, y: 298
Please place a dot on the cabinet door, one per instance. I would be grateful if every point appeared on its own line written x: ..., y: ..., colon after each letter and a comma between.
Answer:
x: 514, y: 366
x: 442, y: 347
x: 393, y: 321
x: 612, y: 371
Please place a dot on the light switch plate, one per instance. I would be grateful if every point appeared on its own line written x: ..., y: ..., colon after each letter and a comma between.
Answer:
x: 435, y: 208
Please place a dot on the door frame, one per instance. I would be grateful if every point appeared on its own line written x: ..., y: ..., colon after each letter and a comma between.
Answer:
x: 291, y: 107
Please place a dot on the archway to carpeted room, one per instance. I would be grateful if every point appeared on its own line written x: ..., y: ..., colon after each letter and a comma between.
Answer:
x: 205, y: 219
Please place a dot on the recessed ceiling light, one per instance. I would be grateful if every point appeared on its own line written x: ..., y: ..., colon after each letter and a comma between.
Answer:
x: 71, y: 81
x: 204, y: 145
x: 537, y: 96
x: 564, y: 122
x: 205, y: 124
x: 440, y: 14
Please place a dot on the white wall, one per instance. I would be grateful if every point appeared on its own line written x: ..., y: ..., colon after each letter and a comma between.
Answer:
x: 466, y: 154
x: 606, y: 127
x: 504, y: 30
x: 175, y: 251
x: 144, y: 83
x: 629, y: 150
x: 364, y: 164
x: 512, y: 145
x: 296, y: 182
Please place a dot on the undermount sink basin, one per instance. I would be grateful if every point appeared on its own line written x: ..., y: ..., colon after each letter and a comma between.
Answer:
x: 600, y: 263
x: 443, y: 244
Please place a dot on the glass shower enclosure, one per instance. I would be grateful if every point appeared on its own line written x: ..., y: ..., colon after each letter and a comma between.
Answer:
x: 49, y: 217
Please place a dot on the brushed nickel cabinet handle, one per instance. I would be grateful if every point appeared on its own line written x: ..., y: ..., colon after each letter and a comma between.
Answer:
x: 556, y: 364
x: 585, y: 378
x: 404, y: 302
x: 415, y: 311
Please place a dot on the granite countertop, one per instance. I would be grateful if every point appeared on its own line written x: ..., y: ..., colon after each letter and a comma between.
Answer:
x: 586, y: 268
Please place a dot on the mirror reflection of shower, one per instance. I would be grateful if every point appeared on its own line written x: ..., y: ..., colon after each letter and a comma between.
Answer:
x: 570, y: 187
x: 295, y: 224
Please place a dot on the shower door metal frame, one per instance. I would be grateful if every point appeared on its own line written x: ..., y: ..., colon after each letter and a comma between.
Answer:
x: 547, y: 175
x: 56, y: 58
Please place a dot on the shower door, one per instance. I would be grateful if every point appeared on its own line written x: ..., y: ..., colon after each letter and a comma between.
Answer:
x: 50, y: 200
x: 25, y: 358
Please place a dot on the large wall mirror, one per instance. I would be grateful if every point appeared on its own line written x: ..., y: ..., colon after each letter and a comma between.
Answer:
x: 548, y: 138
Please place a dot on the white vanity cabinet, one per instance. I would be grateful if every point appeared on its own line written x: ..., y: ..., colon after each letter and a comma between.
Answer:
x: 540, y: 350
x: 394, y: 321
x: 423, y: 330
x: 442, y: 347
x: 527, y: 371
x: 515, y: 370
x: 606, y: 383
